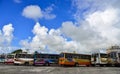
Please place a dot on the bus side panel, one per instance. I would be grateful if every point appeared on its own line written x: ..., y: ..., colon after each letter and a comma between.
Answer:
x: 22, y: 61
x: 39, y: 61
x: 19, y: 61
x: 63, y: 61
x: 83, y: 61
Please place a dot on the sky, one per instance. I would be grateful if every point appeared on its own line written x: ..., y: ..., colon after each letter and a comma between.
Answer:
x: 55, y: 26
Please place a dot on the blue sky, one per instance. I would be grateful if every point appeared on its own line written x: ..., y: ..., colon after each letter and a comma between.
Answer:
x: 11, y: 12
x: 58, y: 25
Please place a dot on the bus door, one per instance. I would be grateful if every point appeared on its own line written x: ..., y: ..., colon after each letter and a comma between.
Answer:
x: 119, y: 57
x: 97, y: 57
x: 114, y: 57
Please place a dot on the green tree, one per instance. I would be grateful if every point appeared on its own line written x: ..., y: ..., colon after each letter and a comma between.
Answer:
x: 17, y: 51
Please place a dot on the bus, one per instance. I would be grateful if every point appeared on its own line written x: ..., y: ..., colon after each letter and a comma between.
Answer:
x: 100, y: 59
x: 74, y: 59
x: 2, y: 58
x: 114, y: 56
x: 23, y: 59
x: 114, y: 59
x: 9, y: 59
x: 46, y: 59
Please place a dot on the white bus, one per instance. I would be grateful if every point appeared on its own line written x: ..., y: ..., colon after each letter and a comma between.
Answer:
x: 114, y: 56
x: 23, y: 59
x: 99, y: 57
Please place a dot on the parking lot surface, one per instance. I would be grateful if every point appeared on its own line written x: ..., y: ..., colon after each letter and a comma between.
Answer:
x: 11, y: 69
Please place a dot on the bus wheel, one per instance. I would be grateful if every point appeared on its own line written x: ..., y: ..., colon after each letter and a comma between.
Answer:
x: 88, y: 65
x: 47, y: 64
x: 26, y: 63
x: 76, y: 65
x: 93, y: 65
x: 34, y: 64
x: 101, y: 65
x: 116, y: 65
x: 16, y: 64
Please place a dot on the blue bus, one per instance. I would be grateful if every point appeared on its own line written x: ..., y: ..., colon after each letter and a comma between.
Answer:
x: 45, y: 59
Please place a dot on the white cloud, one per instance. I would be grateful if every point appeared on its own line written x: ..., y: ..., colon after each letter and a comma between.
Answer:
x: 49, y: 41
x: 32, y: 11
x: 6, y: 37
x: 47, y: 12
x: 86, y: 7
x: 35, y: 12
x: 99, y: 29
x: 8, y: 33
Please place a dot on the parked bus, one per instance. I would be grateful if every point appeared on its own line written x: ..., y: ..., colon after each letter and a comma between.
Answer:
x: 114, y: 56
x: 99, y: 57
x: 45, y: 59
x: 2, y: 58
x: 23, y: 59
x: 73, y: 59
x: 9, y: 59
x: 114, y: 59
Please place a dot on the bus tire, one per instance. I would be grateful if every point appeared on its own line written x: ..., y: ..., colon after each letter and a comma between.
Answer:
x: 47, y: 64
x: 76, y: 65
x: 26, y: 63
x: 88, y: 65
x: 34, y: 65
x: 93, y: 65
x: 16, y: 64
x: 101, y: 65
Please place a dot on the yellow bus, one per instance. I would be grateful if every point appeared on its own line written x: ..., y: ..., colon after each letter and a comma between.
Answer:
x: 73, y: 59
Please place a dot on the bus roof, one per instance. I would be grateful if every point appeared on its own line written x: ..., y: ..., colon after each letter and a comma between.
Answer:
x: 48, y: 54
x: 100, y: 51
x: 74, y: 53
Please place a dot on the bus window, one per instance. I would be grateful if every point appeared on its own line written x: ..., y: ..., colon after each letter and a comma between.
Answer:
x: 37, y: 56
x: 113, y: 54
x: 18, y: 56
x: 10, y: 56
x: 61, y: 55
x: 29, y: 56
x: 76, y: 56
x: 68, y: 56
x: 87, y: 57
x: 52, y: 57
x: 42, y: 56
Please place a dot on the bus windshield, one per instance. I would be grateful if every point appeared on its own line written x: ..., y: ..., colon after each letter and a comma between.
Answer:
x: 10, y: 56
x: 103, y: 55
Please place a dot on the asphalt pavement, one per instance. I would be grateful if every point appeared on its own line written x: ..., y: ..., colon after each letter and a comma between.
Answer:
x: 11, y: 69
